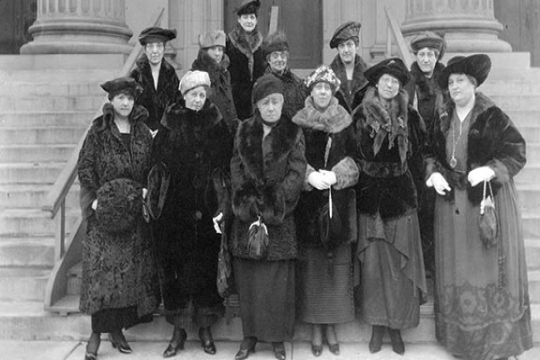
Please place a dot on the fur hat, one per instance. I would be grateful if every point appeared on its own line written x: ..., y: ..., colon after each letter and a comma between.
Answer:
x: 274, y: 42
x: 119, y: 205
x: 477, y: 66
x: 122, y: 85
x: 193, y: 79
x: 266, y: 85
x: 344, y: 32
x: 391, y: 66
x: 156, y: 34
x: 158, y: 185
x: 212, y: 38
x: 248, y: 7
x: 323, y: 74
x: 429, y: 39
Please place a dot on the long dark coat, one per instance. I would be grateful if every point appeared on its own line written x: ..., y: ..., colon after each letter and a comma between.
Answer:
x: 191, y: 144
x: 220, y: 78
x: 117, y: 270
x: 294, y: 91
x: 350, y: 97
x: 267, y: 176
x: 155, y: 101
x: 247, y: 65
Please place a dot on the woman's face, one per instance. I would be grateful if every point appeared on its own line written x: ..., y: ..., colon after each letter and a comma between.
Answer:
x: 461, y: 88
x: 388, y: 86
x: 195, y: 98
x: 154, y: 52
x: 347, y: 51
x: 216, y: 53
x: 278, y: 60
x: 270, y: 107
x: 122, y: 104
x: 321, y: 94
x: 427, y: 59
x: 248, y: 22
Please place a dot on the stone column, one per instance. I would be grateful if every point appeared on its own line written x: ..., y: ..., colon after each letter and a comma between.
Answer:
x: 469, y: 25
x: 79, y: 27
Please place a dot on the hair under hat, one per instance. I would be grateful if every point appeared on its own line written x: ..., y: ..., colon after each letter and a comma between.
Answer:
x: 323, y: 74
x: 344, y: 32
x: 477, y: 66
x: 156, y: 34
x: 212, y: 38
x: 266, y: 85
x: 125, y: 85
x: 193, y: 79
x: 392, y: 66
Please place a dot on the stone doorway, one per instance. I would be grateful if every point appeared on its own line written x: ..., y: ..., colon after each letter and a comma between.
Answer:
x: 16, y: 16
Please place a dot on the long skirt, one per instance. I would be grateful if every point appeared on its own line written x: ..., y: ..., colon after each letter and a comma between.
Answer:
x: 325, y: 287
x: 393, y: 276
x: 482, y: 308
x: 112, y: 320
x: 266, y: 292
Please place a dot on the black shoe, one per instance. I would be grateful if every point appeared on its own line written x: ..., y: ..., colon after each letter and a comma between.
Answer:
x: 316, y: 350
x: 176, y: 344
x: 279, y: 350
x: 247, y: 347
x: 92, y: 346
x: 90, y: 356
x: 377, y: 334
x: 334, y: 347
x: 316, y: 340
x: 397, y: 342
x: 207, y: 342
x: 120, y: 343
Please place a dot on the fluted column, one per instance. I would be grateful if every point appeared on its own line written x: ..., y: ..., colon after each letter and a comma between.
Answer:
x: 79, y: 27
x: 469, y: 25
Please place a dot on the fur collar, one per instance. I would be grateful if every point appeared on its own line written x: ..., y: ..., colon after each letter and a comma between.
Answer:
x: 138, y: 115
x: 332, y: 120
x: 427, y: 88
x: 144, y: 65
x: 217, y: 72
x: 286, y: 77
x: 250, y: 137
x: 481, y: 104
x: 247, y: 43
x: 358, y: 79
x: 383, y: 123
x: 177, y: 116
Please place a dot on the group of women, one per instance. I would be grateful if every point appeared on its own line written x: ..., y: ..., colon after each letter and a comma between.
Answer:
x: 336, y: 176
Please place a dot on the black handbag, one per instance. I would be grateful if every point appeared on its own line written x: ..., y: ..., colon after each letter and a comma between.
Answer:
x: 225, y: 279
x: 258, y: 240
x: 487, y: 220
x: 330, y: 224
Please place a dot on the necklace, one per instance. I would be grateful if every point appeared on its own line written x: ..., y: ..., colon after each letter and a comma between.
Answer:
x: 453, y: 160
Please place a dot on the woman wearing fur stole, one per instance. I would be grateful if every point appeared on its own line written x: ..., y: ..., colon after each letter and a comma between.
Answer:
x: 389, y: 247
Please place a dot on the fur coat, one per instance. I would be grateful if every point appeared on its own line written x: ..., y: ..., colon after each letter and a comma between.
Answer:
x: 332, y: 126
x: 267, y: 176
x: 155, y: 101
x: 388, y: 140
x: 294, y: 91
x: 220, y: 78
x: 108, y: 279
x: 351, y: 97
x: 247, y: 65
x: 493, y: 140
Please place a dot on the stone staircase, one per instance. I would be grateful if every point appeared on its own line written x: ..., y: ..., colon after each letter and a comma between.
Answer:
x: 36, y: 138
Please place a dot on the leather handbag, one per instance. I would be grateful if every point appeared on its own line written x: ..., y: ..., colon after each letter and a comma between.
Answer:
x: 258, y: 240
x: 487, y: 220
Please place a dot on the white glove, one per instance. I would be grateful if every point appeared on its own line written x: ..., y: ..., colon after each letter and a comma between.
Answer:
x: 329, y: 177
x: 144, y: 193
x: 438, y: 182
x: 318, y: 180
x: 94, y: 204
x: 480, y: 174
x: 217, y: 220
x: 153, y: 133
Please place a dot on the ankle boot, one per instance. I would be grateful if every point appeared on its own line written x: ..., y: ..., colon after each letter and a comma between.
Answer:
x: 377, y: 334
x: 397, y: 342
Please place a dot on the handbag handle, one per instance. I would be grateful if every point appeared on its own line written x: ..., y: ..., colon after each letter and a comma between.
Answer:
x: 482, y: 204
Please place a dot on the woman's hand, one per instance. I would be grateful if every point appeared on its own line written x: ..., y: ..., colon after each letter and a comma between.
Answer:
x: 318, y: 180
x: 329, y: 177
x: 439, y: 183
x: 94, y: 205
x: 217, y: 220
x: 480, y: 174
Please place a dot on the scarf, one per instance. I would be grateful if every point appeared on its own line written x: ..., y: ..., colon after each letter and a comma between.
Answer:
x: 247, y: 43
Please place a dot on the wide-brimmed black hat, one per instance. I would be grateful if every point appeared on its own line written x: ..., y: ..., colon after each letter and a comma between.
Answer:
x: 477, y: 66
x: 344, y: 32
x: 119, y: 205
x: 122, y: 85
x: 248, y: 7
x: 158, y: 185
x: 156, y: 34
x: 274, y: 42
x: 392, y: 66
x: 429, y: 39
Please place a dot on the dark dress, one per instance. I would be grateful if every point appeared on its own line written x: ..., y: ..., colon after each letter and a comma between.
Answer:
x: 112, y: 292
x: 294, y: 91
x: 191, y: 144
x: 482, y: 308
x: 266, y: 174
x: 350, y: 92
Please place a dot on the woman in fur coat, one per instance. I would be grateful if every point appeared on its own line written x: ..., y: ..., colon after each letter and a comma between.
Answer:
x: 267, y: 172
x: 192, y: 143
x: 325, y: 262
x: 116, y: 148
x: 482, y: 308
x: 247, y: 60
x: 389, y: 247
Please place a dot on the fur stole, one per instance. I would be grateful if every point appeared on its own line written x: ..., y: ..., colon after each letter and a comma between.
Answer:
x: 427, y: 87
x: 165, y: 71
x: 332, y: 120
x: 385, y: 123
x: 286, y: 77
x: 138, y: 115
x: 177, y: 117
x: 247, y: 43
x: 358, y: 82
x: 217, y: 72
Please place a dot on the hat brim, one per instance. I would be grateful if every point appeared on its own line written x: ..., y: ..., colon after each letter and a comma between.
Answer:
x: 477, y: 66
x: 373, y: 74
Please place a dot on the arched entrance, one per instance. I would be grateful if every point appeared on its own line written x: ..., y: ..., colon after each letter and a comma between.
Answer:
x: 16, y: 16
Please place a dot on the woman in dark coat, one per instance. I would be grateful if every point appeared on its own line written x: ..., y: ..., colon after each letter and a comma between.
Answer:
x: 389, y: 245
x: 247, y: 60
x: 119, y: 280
x: 325, y: 263
x: 267, y: 172
x: 215, y: 62
x: 482, y: 308
x: 193, y: 142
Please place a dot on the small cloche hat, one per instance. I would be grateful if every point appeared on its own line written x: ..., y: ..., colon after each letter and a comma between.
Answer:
x: 248, y: 7
x: 429, y: 39
x: 122, y: 85
x: 392, y: 66
x: 156, y: 34
x: 212, y: 38
x: 193, y: 79
x: 323, y: 74
x: 344, y: 32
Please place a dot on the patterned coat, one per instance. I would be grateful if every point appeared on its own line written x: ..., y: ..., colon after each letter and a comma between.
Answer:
x: 267, y: 176
x: 118, y: 270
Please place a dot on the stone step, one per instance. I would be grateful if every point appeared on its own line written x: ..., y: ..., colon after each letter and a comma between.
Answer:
x: 509, y: 86
x: 99, y: 75
x: 51, y: 103
x: 41, y: 135
x: 32, y: 222
x: 524, y: 118
x: 23, y: 284
x: 529, y: 195
x: 529, y: 175
x: 17, y: 252
x: 31, y: 118
x: 26, y: 173
x: 517, y: 101
x: 33, y: 196
x: 531, y: 223
x: 532, y: 252
x: 48, y: 89
x: 35, y: 153
x: 51, y: 62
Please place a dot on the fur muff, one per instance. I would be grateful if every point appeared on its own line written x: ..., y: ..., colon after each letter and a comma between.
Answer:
x: 493, y: 140
x: 352, y: 97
